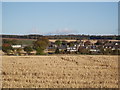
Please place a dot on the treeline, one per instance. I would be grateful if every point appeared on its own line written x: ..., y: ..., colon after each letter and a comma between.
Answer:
x: 82, y: 37
x: 22, y: 36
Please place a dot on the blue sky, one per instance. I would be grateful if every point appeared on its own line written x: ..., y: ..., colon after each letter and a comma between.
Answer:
x: 60, y: 18
x: 0, y: 17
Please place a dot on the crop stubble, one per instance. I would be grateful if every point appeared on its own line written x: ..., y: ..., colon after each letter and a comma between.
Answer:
x: 67, y: 71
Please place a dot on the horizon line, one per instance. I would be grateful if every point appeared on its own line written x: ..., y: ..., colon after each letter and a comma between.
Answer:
x: 60, y: 0
x: 66, y: 34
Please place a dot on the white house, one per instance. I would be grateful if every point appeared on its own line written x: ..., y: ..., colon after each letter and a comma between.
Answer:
x: 71, y: 49
x: 16, y: 46
x: 94, y: 50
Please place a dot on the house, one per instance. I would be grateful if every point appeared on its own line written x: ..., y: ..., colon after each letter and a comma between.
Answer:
x: 16, y: 46
x: 52, y: 44
x: 50, y: 50
x: 71, y: 49
x: 62, y: 47
x: 112, y: 45
x: 94, y: 50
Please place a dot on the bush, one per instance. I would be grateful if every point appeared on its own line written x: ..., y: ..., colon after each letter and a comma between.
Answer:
x: 28, y: 49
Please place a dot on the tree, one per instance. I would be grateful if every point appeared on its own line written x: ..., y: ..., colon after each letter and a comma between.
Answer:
x: 6, y: 48
x: 18, y: 51
x: 100, y: 47
x: 40, y: 45
x: 64, y: 42
x: 58, y: 42
x: 57, y: 51
x: 87, y: 43
x: 83, y: 50
x: 102, y: 42
x: 71, y: 44
x: 28, y: 49
x: 99, y: 42
x: 11, y: 42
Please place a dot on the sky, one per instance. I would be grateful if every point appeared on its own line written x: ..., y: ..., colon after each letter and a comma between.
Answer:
x: 0, y: 17
x: 48, y: 18
x: 60, y: 0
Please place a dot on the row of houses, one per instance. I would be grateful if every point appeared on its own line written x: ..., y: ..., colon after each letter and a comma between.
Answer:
x: 76, y: 46
x: 93, y: 47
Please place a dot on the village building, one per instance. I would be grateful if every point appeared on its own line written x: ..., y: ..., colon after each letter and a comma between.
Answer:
x: 16, y: 46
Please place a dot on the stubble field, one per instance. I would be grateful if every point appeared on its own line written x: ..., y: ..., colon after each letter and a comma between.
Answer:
x: 67, y: 71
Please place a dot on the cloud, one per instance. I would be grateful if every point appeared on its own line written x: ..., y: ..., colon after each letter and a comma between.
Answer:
x: 64, y: 31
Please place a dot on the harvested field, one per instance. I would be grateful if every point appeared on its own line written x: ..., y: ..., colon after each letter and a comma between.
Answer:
x: 67, y: 71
